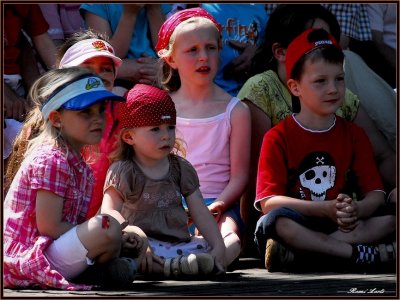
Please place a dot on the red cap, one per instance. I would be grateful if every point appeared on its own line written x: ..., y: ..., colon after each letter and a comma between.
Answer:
x: 177, y: 18
x: 147, y: 105
x: 301, y: 46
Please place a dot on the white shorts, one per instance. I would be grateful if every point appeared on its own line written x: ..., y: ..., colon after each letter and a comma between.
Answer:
x: 67, y: 255
x: 197, y: 244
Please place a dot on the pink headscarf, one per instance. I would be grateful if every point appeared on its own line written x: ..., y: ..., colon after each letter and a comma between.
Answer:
x: 173, y: 21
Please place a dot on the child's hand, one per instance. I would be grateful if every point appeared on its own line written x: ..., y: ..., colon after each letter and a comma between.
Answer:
x: 134, y: 243
x: 347, y: 213
x: 146, y: 265
x: 219, y: 258
x: 131, y: 241
x: 217, y: 208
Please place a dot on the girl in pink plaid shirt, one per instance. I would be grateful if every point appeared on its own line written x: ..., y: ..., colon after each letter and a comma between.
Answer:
x: 47, y: 242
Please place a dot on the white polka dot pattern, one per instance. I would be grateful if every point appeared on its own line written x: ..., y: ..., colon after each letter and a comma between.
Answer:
x: 147, y: 106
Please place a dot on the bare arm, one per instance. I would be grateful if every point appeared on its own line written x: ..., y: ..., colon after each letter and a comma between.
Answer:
x: 46, y: 49
x: 112, y: 205
x: 156, y: 18
x: 29, y: 64
x: 349, y: 212
x: 322, y: 209
x: 49, y: 208
x: 208, y: 228
x: 370, y: 203
x: 239, y: 157
x: 140, y: 70
x: 15, y: 107
x: 121, y: 38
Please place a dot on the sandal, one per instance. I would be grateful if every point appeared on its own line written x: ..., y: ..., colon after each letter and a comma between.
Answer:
x: 192, y: 264
x: 205, y: 263
x: 186, y: 265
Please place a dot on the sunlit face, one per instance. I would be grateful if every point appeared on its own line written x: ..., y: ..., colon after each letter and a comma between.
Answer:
x: 104, y: 67
x: 83, y: 127
x: 151, y: 143
x: 196, y: 53
x: 321, y: 88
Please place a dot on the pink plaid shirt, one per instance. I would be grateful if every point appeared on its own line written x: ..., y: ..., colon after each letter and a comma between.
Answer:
x: 48, y: 168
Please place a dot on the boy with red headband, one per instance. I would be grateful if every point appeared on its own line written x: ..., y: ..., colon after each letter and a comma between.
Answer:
x: 305, y: 162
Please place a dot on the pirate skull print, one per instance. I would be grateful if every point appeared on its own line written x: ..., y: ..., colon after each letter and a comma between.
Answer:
x: 317, y: 174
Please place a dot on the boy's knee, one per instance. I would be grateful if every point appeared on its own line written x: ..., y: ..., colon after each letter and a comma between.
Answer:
x: 391, y: 221
x: 283, y: 227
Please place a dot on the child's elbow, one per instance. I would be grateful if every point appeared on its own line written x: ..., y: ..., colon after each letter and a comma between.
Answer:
x: 50, y: 231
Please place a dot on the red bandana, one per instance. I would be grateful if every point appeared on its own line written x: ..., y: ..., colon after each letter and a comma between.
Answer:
x: 173, y: 21
x: 301, y: 46
x: 147, y: 105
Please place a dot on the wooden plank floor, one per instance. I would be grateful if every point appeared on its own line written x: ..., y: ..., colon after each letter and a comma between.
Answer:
x: 246, y: 280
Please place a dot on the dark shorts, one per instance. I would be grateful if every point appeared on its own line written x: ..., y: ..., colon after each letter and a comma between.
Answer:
x: 265, y: 228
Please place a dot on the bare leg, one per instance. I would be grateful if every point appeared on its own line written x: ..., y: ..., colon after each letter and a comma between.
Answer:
x: 230, y: 234
x: 102, y: 243
x: 339, y: 243
x: 304, y: 239
x: 368, y: 231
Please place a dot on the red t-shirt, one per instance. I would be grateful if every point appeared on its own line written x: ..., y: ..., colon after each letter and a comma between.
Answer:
x: 312, y: 165
x: 16, y: 17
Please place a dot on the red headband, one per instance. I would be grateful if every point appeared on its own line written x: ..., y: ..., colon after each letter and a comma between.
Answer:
x: 147, y: 105
x: 301, y: 46
x: 173, y: 21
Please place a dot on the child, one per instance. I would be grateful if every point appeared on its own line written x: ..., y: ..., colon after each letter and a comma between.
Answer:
x: 145, y: 185
x: 214, y: 126
x: 270, y: 101
x: 91, y: 50
x: 268, y: 92
x: 304, y: 166
x: 47, y: 242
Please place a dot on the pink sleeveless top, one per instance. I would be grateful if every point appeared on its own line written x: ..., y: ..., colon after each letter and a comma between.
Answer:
x: 207, y: 145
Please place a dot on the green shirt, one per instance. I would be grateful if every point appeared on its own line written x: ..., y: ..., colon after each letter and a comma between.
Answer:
x: 267, y: 92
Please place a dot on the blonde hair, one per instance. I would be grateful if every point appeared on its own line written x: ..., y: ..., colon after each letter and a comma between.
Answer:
x: 36, y: 130
x: 168, y: 77
x: 124, y: 151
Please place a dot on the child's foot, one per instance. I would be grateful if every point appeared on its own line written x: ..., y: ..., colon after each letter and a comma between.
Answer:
x: 205, y: 263
x: 277, y: 257
x: 192, y: 264
x: 121, y: 272
x: 117, y: 273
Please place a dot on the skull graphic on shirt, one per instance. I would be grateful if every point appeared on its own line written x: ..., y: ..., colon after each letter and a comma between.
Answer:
x: 317, y: 174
